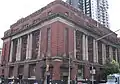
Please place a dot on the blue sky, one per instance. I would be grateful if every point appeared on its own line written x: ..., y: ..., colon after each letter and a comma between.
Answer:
x: 12, y: 10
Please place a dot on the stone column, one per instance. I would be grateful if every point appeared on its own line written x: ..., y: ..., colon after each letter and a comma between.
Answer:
x: 104, y: 53
x: 116, y: 54
x: 95, y: 51
x: 83, y: 46
x: 11, y: 51
x: 30, y: 47
x: 17, y: 53
x: 39, y: 45
x: 86, y: 49
x: 75, y: 43
x: 110, y: 52
x: 27, y: 49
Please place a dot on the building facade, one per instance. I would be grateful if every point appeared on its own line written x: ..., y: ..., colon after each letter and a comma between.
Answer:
x: 96, y: 9
x: 45, y: 41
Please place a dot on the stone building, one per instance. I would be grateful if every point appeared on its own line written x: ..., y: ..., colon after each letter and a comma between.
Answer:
x: 45, y: 40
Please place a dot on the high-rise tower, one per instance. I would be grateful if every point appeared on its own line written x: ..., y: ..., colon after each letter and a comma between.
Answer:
x: 97, y: 9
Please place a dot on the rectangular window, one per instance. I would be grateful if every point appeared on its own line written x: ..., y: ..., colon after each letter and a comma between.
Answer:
x: 24, y: 47
x: 79, y: 45
x: 32, y: 70
x: 35, y: 43
x: 48, y: 40
x: 100, y: 52
x: 4, y: 52
x: 114, y: 53
x: 14, y: 50
x: 107, y: 51
x: 11, y: 69
x: 20, y: 70
x: 90, y: 49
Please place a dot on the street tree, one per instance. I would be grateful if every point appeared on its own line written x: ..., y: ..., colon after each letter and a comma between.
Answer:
x: 111, y: 67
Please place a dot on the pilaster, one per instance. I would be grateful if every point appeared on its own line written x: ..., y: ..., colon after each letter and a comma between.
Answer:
x: 103, y: 53
x: 39, y: 51
x: 17, y: 53
x: 75, y: 43
x: 27, y: 49
x: 20, y: 47
x: 84, y: 47
x: 95, y: 50
x: 11, y: 51
x: 110, y: 52
x: 30, y: 47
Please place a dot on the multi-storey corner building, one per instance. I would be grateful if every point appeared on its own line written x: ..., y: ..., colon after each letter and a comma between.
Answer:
x: 44, y: 40
x: 96, y: 9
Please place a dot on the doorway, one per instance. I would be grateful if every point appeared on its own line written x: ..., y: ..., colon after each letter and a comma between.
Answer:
x: 64, y: 77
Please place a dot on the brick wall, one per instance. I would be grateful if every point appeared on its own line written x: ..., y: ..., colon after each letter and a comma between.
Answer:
x: 5, y: 56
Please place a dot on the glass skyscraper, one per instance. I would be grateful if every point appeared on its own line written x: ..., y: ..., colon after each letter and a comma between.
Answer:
x: 96, y: 9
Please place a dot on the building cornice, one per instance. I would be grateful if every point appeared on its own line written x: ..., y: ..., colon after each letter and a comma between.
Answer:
x: 85, y: 25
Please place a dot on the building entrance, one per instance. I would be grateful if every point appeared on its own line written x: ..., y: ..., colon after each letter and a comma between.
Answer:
x: 64, y: 77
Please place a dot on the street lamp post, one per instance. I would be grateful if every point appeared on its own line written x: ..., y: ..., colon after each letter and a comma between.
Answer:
x: 69, y: 71
x: 47, y: 73
x: 69, y: 65
x: 92, y: 76
x: 93, y: 70
x: 92, y: 73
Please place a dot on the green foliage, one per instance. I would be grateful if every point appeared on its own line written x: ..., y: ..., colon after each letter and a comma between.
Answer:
x: 111, y: 67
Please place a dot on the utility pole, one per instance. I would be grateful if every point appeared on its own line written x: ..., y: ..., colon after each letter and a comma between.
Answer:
x: 69, y: 71
x: 93, y: 72
x: 47, y: 71
x: 92, y: 76
x: 69, y: 65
